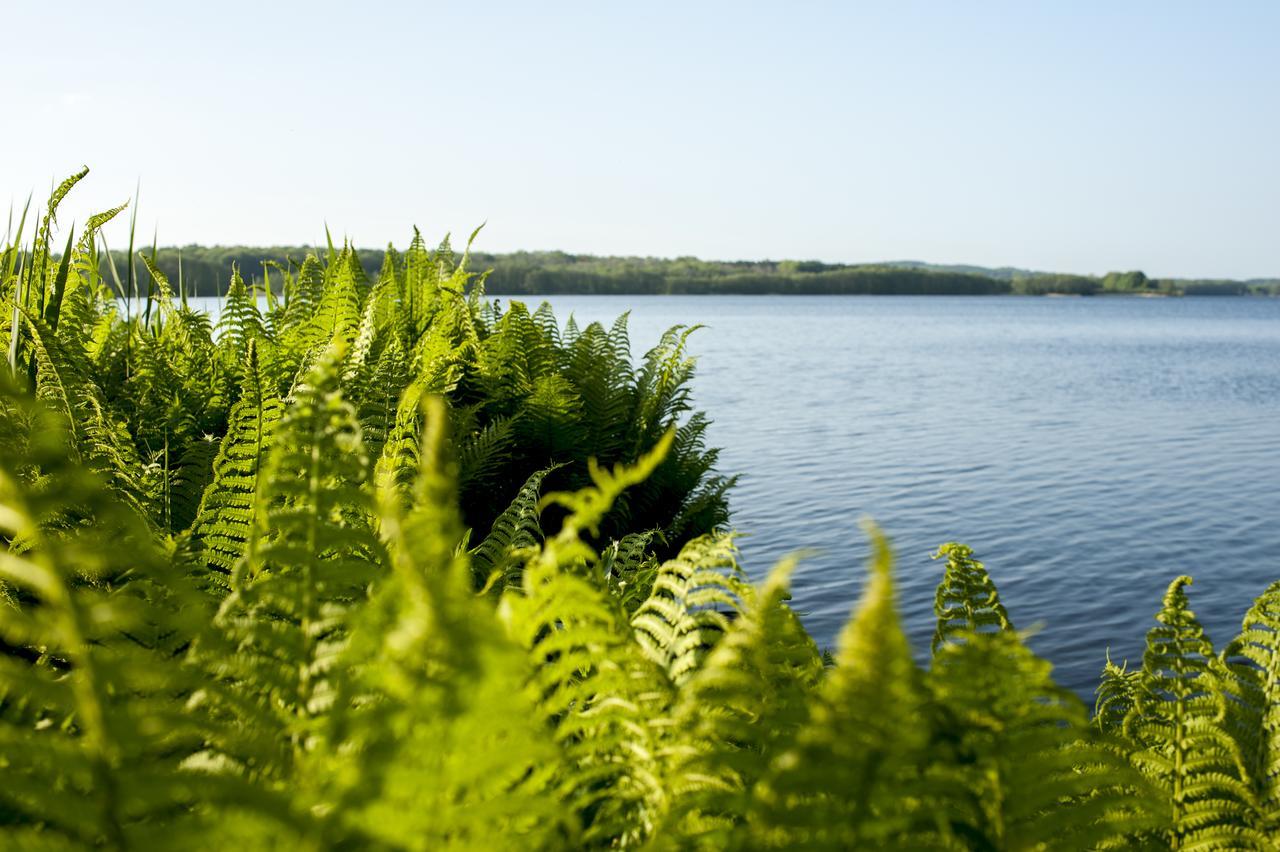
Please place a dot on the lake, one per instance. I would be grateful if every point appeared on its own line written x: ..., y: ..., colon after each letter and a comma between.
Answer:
x: 1089, y: 450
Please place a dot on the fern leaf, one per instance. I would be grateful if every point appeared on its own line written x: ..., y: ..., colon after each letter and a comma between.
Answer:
x: 967, y: 601
x: 630, y: 569
x: 1116, y: 695
x: 516, y: 529
x: 1251, y: 683
x: 310, y: 559
x: 689, y: 606
x: 592, y: 681
x: 845, y: 782
x: 93, y: 727
x: 742, y: 707
x: 1022, y: 768
x: 426, y: 649
x: 1176, y: 722
x: 224, y: 519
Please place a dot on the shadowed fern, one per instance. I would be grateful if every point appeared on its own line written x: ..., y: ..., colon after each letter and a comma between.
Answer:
x: 310, y: 559
x: 224, y: 520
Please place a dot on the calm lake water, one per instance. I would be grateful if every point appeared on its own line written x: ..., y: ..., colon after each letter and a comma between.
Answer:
x: 1089, y: 450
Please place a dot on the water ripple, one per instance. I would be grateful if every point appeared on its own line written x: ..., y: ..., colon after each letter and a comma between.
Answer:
x: 1090, y: 450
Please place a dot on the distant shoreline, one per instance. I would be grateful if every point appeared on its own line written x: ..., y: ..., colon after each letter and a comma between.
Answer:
x: 206, y: 271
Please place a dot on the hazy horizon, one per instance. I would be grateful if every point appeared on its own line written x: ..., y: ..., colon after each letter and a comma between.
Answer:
x: 1082, y: 139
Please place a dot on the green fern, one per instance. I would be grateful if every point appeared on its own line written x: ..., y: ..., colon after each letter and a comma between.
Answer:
x: 1180, y: 743
x: 740, y: 708
x: 311, y: 557
x: 629, y: 568
x: 967, y: 601
x: 689, y: 606
x: 224, y: 520
x: 846, y: 781
x: 93, y: 727
x: 240, y: 322
x: 1251, y: 683
x: 1025, y: 770
x: 1117, y: 691
x: 425, y: 648
x: 592, y: 681
x: 515, y: 530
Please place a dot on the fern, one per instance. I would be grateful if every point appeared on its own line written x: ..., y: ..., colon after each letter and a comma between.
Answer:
x: 1176, y: 727
x: 845, y: 783
x: 310, y: 559
x: 1026, y: 771
x: 424, y: 648
x: 240, y: 323
x: 967, y: 602
x: 377, y: 394
x: 62, y: 383
x: 1117, y: 692
x: 91, y: 717
x: 689, y: 606
x: 737, y: 711
x: 514, y: 531
x: 629, y: 568
x: 591, y: 679
x: 485, y: 453
x: 224, y: 520
x: 1251, y: 683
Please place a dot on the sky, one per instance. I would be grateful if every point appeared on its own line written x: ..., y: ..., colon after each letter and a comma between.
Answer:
x: 1068, y: 136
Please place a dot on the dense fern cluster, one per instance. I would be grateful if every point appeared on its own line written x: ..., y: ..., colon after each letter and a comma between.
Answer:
x: 241, y: 605
x: 165, y: 403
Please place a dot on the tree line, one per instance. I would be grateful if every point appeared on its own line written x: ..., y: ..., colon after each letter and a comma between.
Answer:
x: 206, y: 271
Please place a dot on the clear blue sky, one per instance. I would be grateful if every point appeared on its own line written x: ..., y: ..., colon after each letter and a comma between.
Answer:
x: 1073, y: 136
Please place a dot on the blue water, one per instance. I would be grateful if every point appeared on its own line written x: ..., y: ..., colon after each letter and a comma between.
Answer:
x: 1089, y: 450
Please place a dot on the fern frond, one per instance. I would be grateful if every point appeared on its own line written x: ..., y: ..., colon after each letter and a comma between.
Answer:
x: 846, y: 782
x: 483, y: 454
x: 310, y: 559
x: 241, y: 321
x: 164, y: 292
x: 689, y: 606
x: 93, y: 433
x: 1251, y: 682
x: 224, y: 520
x: 629, y: 568
x: 742, y: 707
x: 967, y: 601
x: 302, y: 296
x: 1116, y: 692
x: 1182, y: 745
x: 426, y: 649
x: 591, y: 679
x: 92, y: 721
x: 513, y: 531
x: 1022, y: 768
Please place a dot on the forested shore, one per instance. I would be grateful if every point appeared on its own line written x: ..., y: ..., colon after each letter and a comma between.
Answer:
x: 206, y: 271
